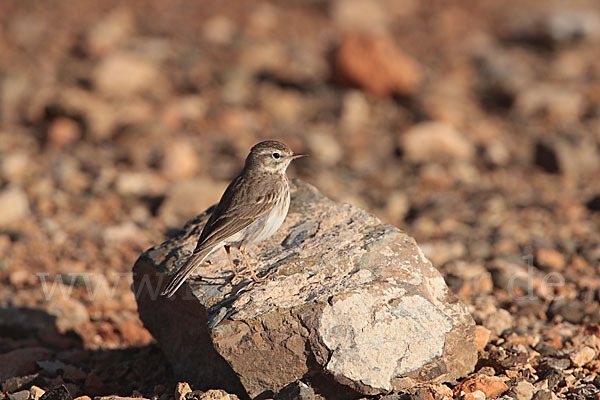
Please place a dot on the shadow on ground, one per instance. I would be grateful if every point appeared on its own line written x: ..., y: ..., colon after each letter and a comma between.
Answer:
x: 34, y: 352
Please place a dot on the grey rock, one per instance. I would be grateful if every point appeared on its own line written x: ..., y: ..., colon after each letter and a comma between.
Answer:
x: 58, y: 393
x: 17, y: 383
x: 20, y: 395
x: 523, y: 390
x: 347, y: 298
x: 296, y: 391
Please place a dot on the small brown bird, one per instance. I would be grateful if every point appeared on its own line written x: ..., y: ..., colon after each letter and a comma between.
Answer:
x: 252, y: 208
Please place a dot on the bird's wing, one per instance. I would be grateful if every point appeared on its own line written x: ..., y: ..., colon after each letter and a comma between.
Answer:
x: 238, y: 208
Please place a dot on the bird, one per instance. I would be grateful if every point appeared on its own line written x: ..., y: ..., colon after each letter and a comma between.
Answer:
x: 251, y: 210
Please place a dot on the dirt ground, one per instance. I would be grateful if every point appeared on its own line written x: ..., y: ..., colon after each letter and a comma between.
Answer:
x: 472, y: 125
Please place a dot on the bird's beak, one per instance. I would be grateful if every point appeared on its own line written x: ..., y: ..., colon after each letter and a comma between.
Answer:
x: 295, y: 155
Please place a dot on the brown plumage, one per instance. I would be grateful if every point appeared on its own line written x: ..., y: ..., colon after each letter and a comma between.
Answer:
x: 252, y: 208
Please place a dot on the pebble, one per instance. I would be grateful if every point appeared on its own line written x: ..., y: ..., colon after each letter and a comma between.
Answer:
x: 482, y: 337
x: 105, y: 35
x: 296, y: 391
x: 217, y: 394
x: 435, y: 142
x: 219, y: 30
x: 355, y: 112
x: 181, y: 390
x: 125, y: 75
x: 523, y: 390
x: 180, y: 160
x: 499, y: 321
x: 559, y: 104
x: 58, y: 393
x: 360, y: 16
x: 63, y: 132
x: 325, y: 148
x: 550, y: 259
x: 491, y: 386
x: 16, y: 166
x: 139, y: 184
x: 20, y: 395
x: 582, y: 356
x: 36, y: 392
x: 14, y: 205
x: 377, y: 65
x: 476, y: 395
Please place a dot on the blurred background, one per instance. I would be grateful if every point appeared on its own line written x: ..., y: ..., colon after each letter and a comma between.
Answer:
x: 472, y: 125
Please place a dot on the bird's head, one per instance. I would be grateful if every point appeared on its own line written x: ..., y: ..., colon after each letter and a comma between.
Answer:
x: 271, y: 156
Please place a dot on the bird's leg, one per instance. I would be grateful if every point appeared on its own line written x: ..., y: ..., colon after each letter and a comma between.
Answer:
x: 230, y: 260
x: 255, y: 277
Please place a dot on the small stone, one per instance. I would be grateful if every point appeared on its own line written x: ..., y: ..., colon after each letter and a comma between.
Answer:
x: 397, y: 206
x: 105, y: 35
x: 491, y: 386
x: 15, y: 166
x: 563, y: 155
x: 573, y: 311
x: 543, y: 395
x: 375, y: 64
x: 125, y: 75
x: 180, y: 160
x: 21, y: 278
x: 482, y: 337
x: 355, y: 112
x: 58, y: 393
x: 435, y: 142
x: 550, y: 259
x: 127, y: 232
x: 324, y: 148
x: 582, y: 356
x: 217, y: 394
x: 499, y: 321
x: 360, y: 16
x: 564, y: 26
x: 14, y: 205
x: 139, y: 184
x: 63, y: 132
x: 20, y: 395
x: 17, y: 383
x: 219, y: 30
x: 36, y: 392
x: 181, y: 390
x: 83, y: 398
x: 296, y: 391
x: 523, y: 390
x: 476, y: 395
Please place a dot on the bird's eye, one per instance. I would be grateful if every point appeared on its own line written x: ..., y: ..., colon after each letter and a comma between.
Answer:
x: 276, y: 155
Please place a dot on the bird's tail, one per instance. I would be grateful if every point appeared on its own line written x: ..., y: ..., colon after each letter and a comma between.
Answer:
x: 183, y: 272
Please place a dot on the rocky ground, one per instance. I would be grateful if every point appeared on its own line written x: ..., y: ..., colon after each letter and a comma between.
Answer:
x: 472, y: 125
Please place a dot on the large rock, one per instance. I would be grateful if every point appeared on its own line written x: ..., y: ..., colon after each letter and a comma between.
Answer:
x: 349, y: 303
